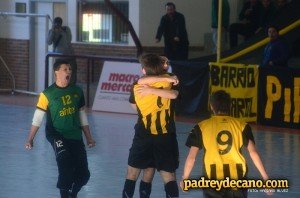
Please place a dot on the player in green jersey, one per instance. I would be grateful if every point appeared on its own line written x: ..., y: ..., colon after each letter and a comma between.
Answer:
x: 63, y: 103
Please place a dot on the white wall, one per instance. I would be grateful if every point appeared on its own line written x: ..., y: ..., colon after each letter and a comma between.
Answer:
x: 41, y: 47
x: 13, y: 27
x: 71, y: 18
x: 134, y: 15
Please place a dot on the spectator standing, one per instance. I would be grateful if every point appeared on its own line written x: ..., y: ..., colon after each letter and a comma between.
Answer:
x: 172, y: 27
x: 250, y: 17
x: 276, y: 52
x: 214, y: 22
x: 60, y: 38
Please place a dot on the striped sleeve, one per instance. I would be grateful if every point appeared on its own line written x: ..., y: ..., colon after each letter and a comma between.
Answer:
x: 42, y: 102
x: 195, y: 138
x: 247, y: 135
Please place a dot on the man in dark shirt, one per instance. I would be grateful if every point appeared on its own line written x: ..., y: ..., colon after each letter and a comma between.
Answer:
x: 172, y: 27
x: 276, y: 53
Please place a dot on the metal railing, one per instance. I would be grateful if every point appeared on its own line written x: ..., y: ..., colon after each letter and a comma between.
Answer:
x: 89, y: 66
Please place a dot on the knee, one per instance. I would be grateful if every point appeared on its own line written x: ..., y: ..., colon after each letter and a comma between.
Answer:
x: 148, y: 175
x: 132, y: 173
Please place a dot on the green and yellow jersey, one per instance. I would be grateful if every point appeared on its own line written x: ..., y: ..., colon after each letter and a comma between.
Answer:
x: 62, y: 107
x: 222, y: 138
x: 155, y: 114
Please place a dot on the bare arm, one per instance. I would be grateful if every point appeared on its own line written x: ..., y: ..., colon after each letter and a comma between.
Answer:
x: 153, y: 79
x: 144, y: 90
x: 87, y: 133
x: 257, y: 160
x: 189, y: 164
x: 85, y: 128
x: 30, y: 138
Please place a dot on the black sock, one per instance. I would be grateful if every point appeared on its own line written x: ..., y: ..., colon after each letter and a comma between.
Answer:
x: 145, y: 189
x: 171, y: 189
x: 64, y: 193
x: 128, y: 190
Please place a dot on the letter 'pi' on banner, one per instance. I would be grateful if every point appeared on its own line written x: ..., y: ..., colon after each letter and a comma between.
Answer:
x: 114, y: 87
x: 240, y: 81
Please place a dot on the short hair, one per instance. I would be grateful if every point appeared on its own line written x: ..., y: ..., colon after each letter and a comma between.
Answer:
x: 58, y: 20
x: 152, y: 64
x: 273, y: 26
x: 220, y: 101
x: 171, y: 4
x: 58, y: 63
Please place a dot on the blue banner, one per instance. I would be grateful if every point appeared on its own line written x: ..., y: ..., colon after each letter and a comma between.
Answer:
x: 193, y: 87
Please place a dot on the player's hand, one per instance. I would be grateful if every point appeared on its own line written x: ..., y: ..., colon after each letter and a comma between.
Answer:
x: 143, y: 90
x: 91, y: 143
x: 173, y: 79
x: 29, y: 145
x: 181, y: 186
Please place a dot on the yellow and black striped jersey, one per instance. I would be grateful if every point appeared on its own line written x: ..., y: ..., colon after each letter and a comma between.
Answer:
x: 222, y: 138
x: 156, y: 114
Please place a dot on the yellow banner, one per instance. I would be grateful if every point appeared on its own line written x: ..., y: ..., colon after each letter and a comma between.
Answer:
x: 240, y: 81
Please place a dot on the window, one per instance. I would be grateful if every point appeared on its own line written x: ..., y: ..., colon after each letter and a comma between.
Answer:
x: 99, y: 25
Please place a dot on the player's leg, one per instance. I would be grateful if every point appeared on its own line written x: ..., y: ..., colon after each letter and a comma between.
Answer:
x: 64, y: 165
x: 140, y: 157
x: 171, y: 186
x: 131, y: 177
x: 81, y: 172
x: 146, y: 182
x: 166, y: 159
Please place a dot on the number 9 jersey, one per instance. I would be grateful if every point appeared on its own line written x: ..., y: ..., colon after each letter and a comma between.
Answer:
x: 222, y: 138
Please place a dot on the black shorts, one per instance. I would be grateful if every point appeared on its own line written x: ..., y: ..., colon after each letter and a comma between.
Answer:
x: 154, y: 151
x: 71, y: 161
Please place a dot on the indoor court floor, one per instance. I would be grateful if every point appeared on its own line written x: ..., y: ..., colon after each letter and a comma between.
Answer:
x: 33, y: 174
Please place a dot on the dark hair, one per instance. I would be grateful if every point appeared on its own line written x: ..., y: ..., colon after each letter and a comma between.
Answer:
x: 171, y: 4
x: 57, y: 21
x: 152, y: 64
x: 272, y: 26
x: 220, y: 101
x: 58, y: 63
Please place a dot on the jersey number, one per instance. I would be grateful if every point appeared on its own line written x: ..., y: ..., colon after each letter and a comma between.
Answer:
x: 66, y: 99
x: 224, y: 138
x: 59, y: 143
